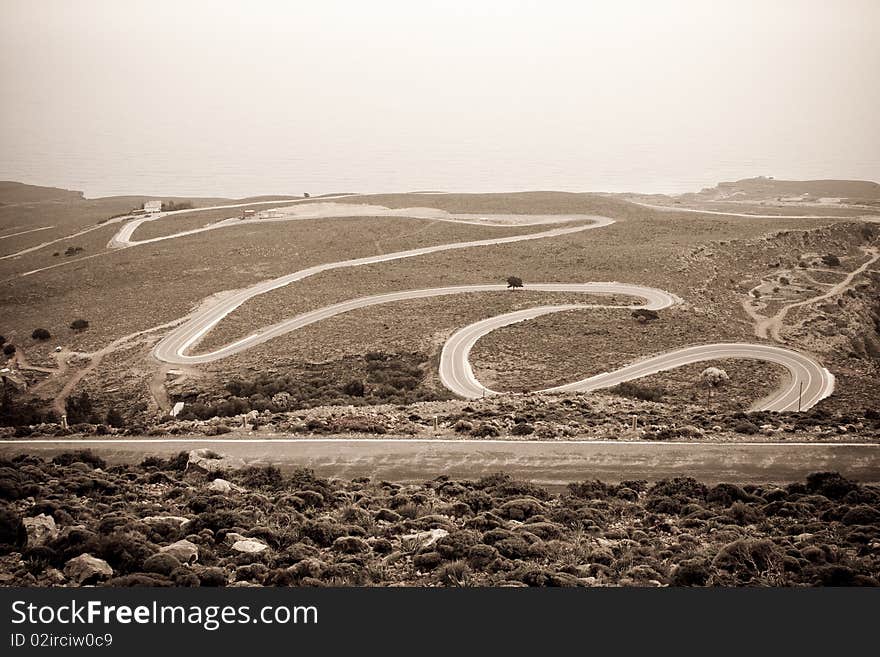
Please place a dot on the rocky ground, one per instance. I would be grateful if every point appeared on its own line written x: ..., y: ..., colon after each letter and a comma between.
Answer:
x: 201, y: 519
x: 627, y: 413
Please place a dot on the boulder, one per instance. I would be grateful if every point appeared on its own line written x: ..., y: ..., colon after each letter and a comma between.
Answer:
x: 179, y: 521
x: 183, y: 550
x: 209, y: 461
x: 249, y: 546
x: 422, y: 539
x: 40, y: 530
x: 223, y: 486
x: 54, y: 577
x: 86, y: 569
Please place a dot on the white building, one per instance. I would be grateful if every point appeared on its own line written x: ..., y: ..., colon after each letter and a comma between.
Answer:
x: 152, y: 206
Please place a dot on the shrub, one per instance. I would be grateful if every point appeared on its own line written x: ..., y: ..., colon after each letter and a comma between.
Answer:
x: 643, y: 315
x: 213, y: 577
x: 522, y: 429
x: 267, y: 476
x: 830, y: 484
x: 79, y: 325
x: 138, y: 579
x: 79, y: 409
x: 80, y: 456
x: 485, y: 430
x: 747, y: 427
x: 520, y: 509
x: 457, y: 544
x: 322, y: 532
x: 456, y: 573
x: 749, y: 556
x: 170, y: 206
x: 427, y: 560
x: 161, y: 563
x: 350, y: 545
x: 831, y: 260
x: 861, y: 515
x: 354, y: 388
x: 686, y: 487
x: 727, y: 494
x: 13, y: 535
x: 41, y: 334
x: 514, y: 282
x: 693, y: 572
x: 637, y: 391
x: 480, y: 556
x: 125, y: 552
x: 114, y: 419
x: 8, y: 349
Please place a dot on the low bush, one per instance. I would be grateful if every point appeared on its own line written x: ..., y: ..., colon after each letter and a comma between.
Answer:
x: 638, y: 391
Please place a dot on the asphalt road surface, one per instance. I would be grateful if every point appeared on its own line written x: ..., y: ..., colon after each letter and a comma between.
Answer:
x: 808, y: 382
x: 173, y: 348
x: 550, y: 463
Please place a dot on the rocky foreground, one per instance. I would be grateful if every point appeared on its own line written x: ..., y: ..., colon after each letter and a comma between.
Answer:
x: 201, y: 519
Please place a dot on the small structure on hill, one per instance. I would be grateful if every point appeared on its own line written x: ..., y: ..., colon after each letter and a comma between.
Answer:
x: 152, y: 206
x: 248, y: 214
x: 9, y: 377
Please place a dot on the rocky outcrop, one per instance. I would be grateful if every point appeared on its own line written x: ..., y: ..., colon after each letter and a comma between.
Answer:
x: 40, y: 530
x: 86, y: 569
x: 183, y: 550
x: 249, y: 546
x: 209, y: 461
x: 223, y: 486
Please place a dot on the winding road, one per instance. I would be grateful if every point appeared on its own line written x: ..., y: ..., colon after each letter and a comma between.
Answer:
x: 809, y: 382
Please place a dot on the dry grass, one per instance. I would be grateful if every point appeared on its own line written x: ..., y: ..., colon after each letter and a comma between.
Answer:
x: 564, y: 347
x: 134, y: 289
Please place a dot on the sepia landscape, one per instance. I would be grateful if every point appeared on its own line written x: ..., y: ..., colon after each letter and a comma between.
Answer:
x: 349, y: 398
x: 484, y: 294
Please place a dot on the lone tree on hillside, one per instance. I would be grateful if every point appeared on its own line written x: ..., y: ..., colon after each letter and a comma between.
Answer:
x: 514, y: 282
x: 79, y: 324
x: 8, y: 349
x: 712, y: 378
x: 41, y: 334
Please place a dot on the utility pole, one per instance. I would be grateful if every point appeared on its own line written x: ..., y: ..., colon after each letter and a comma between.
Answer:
x: 800, y: 394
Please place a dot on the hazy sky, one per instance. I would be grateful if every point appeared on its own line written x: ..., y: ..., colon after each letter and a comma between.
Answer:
x: 235, y: 98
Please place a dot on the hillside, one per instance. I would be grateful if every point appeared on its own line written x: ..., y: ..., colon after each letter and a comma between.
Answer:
x: 763, y: 188
x: 77, y: 521
x: 16, y: 192
x: 740, y: 279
